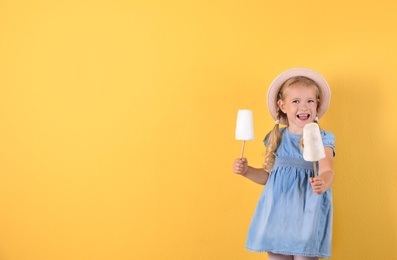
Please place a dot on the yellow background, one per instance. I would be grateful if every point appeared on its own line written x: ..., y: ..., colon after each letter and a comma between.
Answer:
x: 117, y: 123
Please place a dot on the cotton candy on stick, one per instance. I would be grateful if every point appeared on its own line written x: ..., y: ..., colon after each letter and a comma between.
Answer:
x: 313, y: 148
x: 244, y: 127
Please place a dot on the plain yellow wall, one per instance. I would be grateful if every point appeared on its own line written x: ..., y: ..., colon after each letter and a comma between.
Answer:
x: 117, y: 123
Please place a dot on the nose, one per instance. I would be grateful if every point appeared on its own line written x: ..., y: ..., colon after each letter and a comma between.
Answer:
x: 303, y: 107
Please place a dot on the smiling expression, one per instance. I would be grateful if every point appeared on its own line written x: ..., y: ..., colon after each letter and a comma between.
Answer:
x: 299, y: 103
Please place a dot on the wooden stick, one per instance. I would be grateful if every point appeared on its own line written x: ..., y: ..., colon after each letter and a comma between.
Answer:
x: 315, y: 169
x: 242, y: 150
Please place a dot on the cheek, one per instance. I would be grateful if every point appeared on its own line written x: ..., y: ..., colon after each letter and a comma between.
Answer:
x: 314, y: 106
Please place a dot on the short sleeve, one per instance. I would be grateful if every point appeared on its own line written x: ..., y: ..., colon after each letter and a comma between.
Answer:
x: 328, y: 140
x: 266, y: 140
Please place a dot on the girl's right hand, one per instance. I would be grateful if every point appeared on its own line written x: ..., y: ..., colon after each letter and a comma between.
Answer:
x: 240, y: 166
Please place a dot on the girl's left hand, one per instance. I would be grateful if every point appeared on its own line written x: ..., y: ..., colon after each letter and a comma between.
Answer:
x: 318, y: 185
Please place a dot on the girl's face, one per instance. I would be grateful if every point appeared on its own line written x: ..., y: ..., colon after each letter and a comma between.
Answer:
x: 300, y: 106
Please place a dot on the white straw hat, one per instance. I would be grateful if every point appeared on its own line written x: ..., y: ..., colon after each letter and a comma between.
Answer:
x: 274, y: 89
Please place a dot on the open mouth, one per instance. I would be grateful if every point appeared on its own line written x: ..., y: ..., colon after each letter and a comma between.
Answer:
x: 303, y: 116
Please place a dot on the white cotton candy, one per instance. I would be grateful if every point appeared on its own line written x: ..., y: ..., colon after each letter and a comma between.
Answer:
x: 244, y: 125
x: 313, y: 148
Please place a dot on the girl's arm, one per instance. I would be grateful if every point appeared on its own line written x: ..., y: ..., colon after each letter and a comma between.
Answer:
x: 323, y: 181
x: 258, y: 175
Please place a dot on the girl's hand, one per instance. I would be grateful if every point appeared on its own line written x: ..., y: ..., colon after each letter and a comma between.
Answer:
x: 240, y: 166
x: 318, y: 185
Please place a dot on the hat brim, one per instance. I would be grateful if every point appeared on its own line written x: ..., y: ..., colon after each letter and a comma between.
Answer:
x: 274, y: 89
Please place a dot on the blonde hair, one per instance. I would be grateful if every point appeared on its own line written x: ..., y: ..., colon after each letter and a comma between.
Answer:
x: 274, y: 137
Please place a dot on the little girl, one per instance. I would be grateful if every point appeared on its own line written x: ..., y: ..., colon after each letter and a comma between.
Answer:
x: 293, y: 218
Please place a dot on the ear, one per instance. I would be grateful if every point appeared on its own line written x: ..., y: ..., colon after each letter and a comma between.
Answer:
x: 281, y: 105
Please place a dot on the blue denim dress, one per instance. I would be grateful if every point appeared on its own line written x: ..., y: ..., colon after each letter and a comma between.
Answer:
x: 290, y: 218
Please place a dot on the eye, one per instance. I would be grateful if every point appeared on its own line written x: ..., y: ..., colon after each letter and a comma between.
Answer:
x: 295, y: 101
x: 312, y: 101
